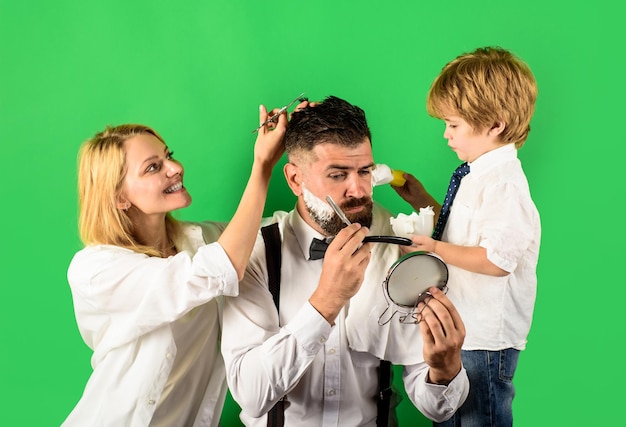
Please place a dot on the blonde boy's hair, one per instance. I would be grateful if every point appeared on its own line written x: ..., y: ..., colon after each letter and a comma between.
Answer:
x: 485, y: 87
x: 101, y: 172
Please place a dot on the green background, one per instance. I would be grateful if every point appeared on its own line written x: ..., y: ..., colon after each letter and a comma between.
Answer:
x: 197, y: 70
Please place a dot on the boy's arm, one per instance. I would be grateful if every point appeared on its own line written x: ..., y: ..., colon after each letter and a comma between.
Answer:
x: 414, y: 193
x: 468, y: 258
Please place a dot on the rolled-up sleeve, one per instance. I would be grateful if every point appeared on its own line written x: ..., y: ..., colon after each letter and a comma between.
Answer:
x: 120, y: 295
x: 212, y: 265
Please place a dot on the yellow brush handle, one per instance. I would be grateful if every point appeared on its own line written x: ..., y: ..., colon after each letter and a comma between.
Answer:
x: 398, y: 178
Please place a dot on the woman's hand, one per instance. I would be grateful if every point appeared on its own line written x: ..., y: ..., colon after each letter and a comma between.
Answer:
x: 269, y: 146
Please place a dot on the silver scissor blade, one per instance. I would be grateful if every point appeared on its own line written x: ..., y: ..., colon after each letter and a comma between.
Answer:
x: 281, y: 111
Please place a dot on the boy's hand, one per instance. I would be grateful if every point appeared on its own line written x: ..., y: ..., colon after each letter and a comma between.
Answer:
x: 416, y: 195
x: 423, y: 243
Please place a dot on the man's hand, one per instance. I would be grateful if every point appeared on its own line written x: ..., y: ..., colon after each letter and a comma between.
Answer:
x: 443, y: 333
x: 344, y: 269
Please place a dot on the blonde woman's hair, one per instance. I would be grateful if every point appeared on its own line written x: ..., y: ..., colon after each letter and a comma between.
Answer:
x: 485, y: 87
x: 101, y: 172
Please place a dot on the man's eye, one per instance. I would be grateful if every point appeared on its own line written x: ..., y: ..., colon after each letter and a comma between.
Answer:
x: 337, y: 176
x: 365, y: 172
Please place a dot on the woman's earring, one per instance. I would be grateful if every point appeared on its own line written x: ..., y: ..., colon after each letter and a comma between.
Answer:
x: 126, y: 206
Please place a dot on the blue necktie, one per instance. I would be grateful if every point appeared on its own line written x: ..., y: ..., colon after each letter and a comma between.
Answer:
x: 455, y: 181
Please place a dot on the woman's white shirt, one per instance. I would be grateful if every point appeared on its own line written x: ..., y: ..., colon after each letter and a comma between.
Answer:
x: 154, y: 326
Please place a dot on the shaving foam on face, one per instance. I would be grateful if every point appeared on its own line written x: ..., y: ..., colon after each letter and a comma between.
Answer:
x: 318, y: 206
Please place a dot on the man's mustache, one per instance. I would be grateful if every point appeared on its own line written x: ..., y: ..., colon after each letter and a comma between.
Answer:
x: 354, y: 203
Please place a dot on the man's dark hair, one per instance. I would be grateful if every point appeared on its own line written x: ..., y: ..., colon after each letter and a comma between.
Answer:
x: 332, y: 121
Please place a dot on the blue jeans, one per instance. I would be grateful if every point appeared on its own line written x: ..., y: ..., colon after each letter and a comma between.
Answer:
x: 490, y: 399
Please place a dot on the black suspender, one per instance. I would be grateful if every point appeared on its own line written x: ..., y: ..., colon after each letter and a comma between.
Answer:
x: 276, y: 415
x: 383, y: 400
x: 271, y: 236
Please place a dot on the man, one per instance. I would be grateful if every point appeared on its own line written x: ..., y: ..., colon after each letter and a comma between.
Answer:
x: 321, y: 352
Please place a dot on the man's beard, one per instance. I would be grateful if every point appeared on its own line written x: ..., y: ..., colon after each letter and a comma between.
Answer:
x: 326, y: 217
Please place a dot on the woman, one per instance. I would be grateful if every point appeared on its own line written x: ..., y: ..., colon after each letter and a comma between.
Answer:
x: 145, y: 286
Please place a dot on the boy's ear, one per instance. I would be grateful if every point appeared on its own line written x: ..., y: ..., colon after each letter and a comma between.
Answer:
x: 497, y: 128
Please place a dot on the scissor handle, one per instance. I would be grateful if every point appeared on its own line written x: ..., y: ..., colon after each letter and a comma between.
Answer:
x: 281, y: 111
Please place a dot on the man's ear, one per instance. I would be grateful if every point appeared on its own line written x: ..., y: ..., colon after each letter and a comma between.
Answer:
x: 497, y: 128
x: 293, y: 175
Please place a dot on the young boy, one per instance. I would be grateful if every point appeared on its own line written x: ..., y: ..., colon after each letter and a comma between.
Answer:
x: 491, y: 238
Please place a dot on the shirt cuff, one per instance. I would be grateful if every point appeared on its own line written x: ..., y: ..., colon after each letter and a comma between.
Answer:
x: 456, y: 391
x: 310, y: 329
x: 212, y: 262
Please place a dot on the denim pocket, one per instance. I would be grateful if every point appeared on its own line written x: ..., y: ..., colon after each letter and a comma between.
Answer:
x: 508, y: 364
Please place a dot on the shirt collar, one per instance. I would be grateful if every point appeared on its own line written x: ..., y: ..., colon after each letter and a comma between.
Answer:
x: 304, y: 232
x: 499, y: 155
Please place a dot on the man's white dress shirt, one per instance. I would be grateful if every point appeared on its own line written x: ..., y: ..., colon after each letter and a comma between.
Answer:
x: 329, y: 374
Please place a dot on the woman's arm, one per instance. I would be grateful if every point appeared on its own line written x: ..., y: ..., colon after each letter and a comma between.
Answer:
x: 239, y: 236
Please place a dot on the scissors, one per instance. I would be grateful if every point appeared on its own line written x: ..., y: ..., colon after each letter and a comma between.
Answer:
x: 273, y: 118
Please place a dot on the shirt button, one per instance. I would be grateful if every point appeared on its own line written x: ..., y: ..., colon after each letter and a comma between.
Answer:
x: 332, y: 351
x: 151, y: 402
x: 331, y: 392
x: 168, y: 356
x: 322, y: 340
